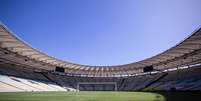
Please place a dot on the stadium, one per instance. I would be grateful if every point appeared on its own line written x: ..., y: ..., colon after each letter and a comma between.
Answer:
x: 25, y: 69
x: 29, y: 74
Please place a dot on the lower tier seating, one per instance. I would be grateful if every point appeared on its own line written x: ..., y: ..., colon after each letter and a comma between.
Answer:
x: 14, y: 84
x: 14, y: 79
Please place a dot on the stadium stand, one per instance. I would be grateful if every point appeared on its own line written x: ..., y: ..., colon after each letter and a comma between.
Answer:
x: 23, y: 68
x: 13, y: 84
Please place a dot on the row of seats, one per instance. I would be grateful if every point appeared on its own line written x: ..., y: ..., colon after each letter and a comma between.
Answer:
x: 185, y: 79
x: 14, y: 84
x: 123, y: 84
x: 181, y: 85
x: 18, y: 71
x: 19, y: 79
x: 182, y: 80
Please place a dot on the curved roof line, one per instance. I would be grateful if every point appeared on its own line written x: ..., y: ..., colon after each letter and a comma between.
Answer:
x: 13, y: 43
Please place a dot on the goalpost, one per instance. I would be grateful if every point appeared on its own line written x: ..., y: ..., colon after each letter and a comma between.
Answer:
x: 97, y: 83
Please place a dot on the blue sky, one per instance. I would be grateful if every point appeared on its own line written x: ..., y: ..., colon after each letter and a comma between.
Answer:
x: 101, y: 32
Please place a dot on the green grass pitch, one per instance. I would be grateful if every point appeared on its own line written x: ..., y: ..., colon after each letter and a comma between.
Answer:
x: 91, y: 96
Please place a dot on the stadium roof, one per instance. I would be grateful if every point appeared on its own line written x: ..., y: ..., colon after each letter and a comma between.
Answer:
x: 15, y: 50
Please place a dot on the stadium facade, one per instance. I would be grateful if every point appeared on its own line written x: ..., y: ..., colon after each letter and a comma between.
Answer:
x: 23, y: 68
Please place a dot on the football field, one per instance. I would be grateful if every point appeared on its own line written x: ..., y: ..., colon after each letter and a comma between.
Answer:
x: 94, y: 96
